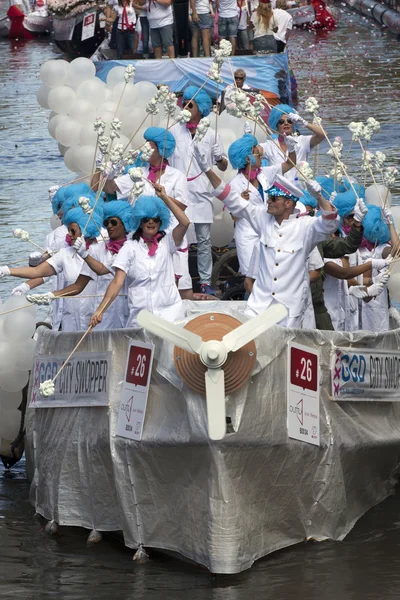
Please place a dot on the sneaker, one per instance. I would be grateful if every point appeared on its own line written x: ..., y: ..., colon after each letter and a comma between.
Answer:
x: 205, y: 288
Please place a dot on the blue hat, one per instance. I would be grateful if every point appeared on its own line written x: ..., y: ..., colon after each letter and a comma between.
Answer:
x: 240, y: 151
x: 120, y: 209
x: 328, y: 185
x: 58, y: 200
x: 72, y: 201
x: 309, y: 200
x: 345, y: 201
x: 164, y: 139
x: 375, y: 229
x: 277, y: 112
x: 201, y: 98
x: 150, y: 206
x: 76, y: 215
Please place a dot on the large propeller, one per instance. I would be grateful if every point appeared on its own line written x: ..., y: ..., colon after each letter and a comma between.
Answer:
x: 213, y: 354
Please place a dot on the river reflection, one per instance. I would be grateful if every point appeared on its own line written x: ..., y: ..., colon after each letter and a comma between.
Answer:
x: 354, y: 72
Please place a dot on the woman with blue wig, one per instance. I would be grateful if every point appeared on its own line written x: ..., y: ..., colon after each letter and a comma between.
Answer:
x: 283, y: 119
x: 200, y: 209
x: 145, y: 262
x: 244, y: 155
x: 75, y: 313
x: 159, y: 175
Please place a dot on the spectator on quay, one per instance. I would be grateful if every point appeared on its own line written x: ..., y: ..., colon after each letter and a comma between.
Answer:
x: 263, y: 27
x: 284, y: 23
x: 161, y: 22
x: 228, y: 21
x: 202, y: 23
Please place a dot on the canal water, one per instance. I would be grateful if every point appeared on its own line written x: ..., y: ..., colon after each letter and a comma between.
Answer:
x: 354, y: 72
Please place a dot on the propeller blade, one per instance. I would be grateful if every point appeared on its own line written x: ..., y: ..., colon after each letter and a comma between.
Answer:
x: 215, y: 391
x: 242, y: 335
x: 169, y: 331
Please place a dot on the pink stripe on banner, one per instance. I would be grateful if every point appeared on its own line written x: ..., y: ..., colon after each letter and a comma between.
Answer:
x: 225, y: 193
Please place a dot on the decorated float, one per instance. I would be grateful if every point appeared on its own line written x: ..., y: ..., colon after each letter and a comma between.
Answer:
x: 78, y: 25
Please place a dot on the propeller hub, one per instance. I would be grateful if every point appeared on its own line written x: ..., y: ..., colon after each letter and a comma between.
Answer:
x: 213, y: 354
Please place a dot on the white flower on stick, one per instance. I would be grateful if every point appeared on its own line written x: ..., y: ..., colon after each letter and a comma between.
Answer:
x: 152, y: 108
x: 372, y: 125
x: 132, y: 156
x: 129, y: 73
x: 242, y: 101
x: 380, y: 158
x: 103, y: 143
x: 390, y: 176
x: 202, y: 128
x: 226, y: 47
x: 136, y: 173
x: 257, y: 107
x: 161, y: 94
x: 147, y: 151
x: 214, y: 73
x: 311, y: 105
x: 99, y: 126
x: 305, y: 170
x: 367, y: 160
x: 47, y: 388
x: 84, y: 203
x: 115, y: 129
x: 357, y: 130
x: 170, y: 104
x: 136, y: 191
x: 184, y: 116
x: 21, y: 234
x: 336, y: 150
x: 338, y: 172
x: 233, y: 110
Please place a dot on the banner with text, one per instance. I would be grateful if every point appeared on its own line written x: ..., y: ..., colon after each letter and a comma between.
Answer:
x: 83, y: 382
x: 365, y: 374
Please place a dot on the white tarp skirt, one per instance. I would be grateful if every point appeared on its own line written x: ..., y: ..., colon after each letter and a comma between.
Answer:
x: 222, y: 504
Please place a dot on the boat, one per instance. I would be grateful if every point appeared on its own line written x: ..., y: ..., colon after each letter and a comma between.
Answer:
x: 38, y: 21
x: 5, y: 25
x: 315, y: 16
x: 78, y: 29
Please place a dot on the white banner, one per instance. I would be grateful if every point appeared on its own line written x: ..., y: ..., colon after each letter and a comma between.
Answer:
x: 88, y: 26
x: 83, y: 382
x: 303, y: 413
x: 135, y: 390
x: 365, y: 374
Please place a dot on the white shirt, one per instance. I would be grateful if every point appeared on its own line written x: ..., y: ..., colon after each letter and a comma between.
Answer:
x: 151, y: 279
x: 245, y: 236
x: 55, y: 240
x: 315, y: 263
x: 243, y: 17
x: 283, y: 21
x: 116, y: 315
x: 130, y: 11
x: 374, y: 314
x: 76, y: 312
x: 200, y: 205
x: 158, y: 15
x: 284, y: 250
x: 276, y: 156
x: 259, y: 28
x: 228, y: 9
x: 202, y: 7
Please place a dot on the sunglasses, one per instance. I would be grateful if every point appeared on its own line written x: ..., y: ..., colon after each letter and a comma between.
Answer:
x: 188, y: 105
x: 154, y: 219
x: 112, y: 222
x: 240, y: 78
x: 274, y: 198
x: 73, y: 231
x: 283, y: 121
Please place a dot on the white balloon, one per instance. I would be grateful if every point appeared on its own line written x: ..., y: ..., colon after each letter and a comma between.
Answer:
x: 131, y: 122
x: 42, y: 96
x: 93, y: 91
x: 60, y: 99
x: 54, y: 72
x: 55, y: 222
x: 80, y: 70
x: 145, y: 90
x: 10, y: 421
x: 115, y: 75
x: 83, y: 111
x: 125, y: 95
x: 84, y: 159
x: 372, y: 196
x: 82, y: 179
x: 70, y: 159
x: 227, y: 137
x: 108, y: 95
x: 395, y: 210
x: 226, y: 121
x: 62, y: 149
x: 13, y: 381
x: 19, y: 326
x: 222, y: 230
x: 54, y: 122
x: 68, y: 132
x: 88, y: 135
x: 8, y: 358
x: 25, y: 352
x: 109, y: 105
x: 9, y: 400
x: 16, y: 302
x: 106, y: 115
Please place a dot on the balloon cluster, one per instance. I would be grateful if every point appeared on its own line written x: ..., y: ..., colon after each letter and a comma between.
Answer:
x: 17, y: 349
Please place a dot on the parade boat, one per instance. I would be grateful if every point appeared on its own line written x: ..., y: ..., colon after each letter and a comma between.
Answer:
x: 38, y: 21
x: 78, y: 27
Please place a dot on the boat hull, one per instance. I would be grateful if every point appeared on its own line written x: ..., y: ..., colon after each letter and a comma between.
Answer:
x: 67, y: 34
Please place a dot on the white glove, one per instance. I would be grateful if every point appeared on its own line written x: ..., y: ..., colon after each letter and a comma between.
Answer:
x: 291, y: 143
x: 35, y: 259
x: 80, y: 247
x: 332, y: 197
x: 247, y: 128
x: 216, y: 153
x: 52, y: 191
x: 297, y: 119
x: 381, y: 263
x: 20, y: 290
x: 201, y: 158
x: 4, y: 271
x: 358, y: 291
x: 375, y: 289
x: 313, y: 188
x: 360, y: 210
x: 387, y: 216
x: 41, y: 298
x: 382, y: 277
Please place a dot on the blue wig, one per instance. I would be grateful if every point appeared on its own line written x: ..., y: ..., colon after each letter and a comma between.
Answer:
x: 375, y: 229
x: 76, y: 215
x: 58, y: 200
x: 150, y: 206
x: 201, y: 98
x: 122, y: 210
x: 73, y: 202
x: 309, y: 200
x: 64, y: 193
x: 240, y: 151
x: 277, y: 112
x: 328, y: 186
x: 345, y: 203
x: 162, y: 138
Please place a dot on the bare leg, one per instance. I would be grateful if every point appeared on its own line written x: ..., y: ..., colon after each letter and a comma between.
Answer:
x: 233, y: 42
x: 195, y: 43
x: 158, y: 52
x: 171, y: 51
x: 206, y: 39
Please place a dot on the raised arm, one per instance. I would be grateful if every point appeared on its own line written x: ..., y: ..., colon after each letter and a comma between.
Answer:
x: 42, y: 270
x: 316, y: 130
x: 183, y: 221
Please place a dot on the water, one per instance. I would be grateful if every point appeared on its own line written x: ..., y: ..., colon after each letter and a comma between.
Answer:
x: 354, y: 72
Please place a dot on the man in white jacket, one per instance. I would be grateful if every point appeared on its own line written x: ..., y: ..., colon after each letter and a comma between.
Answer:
x: 286, y: 240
